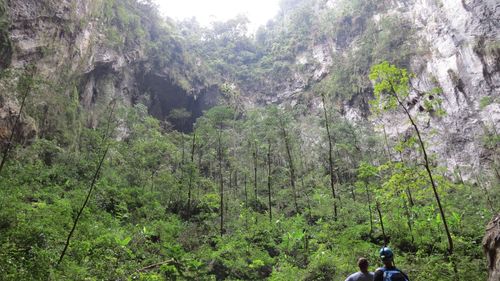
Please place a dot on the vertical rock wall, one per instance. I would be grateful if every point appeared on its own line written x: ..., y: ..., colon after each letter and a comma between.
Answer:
x: 461, y: 37
x: 82, y: 50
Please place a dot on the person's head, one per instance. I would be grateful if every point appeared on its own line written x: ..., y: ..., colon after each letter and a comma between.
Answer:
x: 363, y: 264
x: 386, y: 255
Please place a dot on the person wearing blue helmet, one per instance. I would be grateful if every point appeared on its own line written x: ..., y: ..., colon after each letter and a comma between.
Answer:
x: 389, y: 272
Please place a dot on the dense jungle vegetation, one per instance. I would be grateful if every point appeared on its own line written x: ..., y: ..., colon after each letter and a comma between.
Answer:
x: 250, y: 194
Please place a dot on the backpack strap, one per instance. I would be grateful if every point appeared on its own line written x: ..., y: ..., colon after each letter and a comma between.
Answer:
x: 381, y: 269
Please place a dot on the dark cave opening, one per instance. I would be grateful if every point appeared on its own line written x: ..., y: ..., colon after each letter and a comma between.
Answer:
x: 166, y: 96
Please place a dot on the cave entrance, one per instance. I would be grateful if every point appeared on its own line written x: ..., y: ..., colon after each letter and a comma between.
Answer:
x: 167, y: 99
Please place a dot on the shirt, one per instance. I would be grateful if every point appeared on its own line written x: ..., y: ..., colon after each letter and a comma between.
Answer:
x: 379, y: 274
x: 360, y: 276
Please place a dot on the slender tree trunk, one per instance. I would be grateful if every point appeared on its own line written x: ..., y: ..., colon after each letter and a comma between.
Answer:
x: 246, y: 200
x: 353, y: 192
x: 330, y: 159
x: 290, y: 164
x: 408, y: 220
x: 221, y: 182
x: 92, y: 184
x: 387, y: 145
x: 183, y: 158
x: 382, y: 224
x: 255, y: 172
x: 368, y: 197
x: 308, y: 202
x: 410, y: 197
x: 228, y: 193
x: 152, y: 180
x: 269, y: 180
x: 246, y: 191
x: 200, y: 157
x: 236, y: 187
x: 190, y: 184
x: 429, y: 173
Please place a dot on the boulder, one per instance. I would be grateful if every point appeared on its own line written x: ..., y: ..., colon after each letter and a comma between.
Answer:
x: 491, y: 245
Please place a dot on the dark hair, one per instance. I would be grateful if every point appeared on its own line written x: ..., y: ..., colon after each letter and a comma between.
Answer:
x: 363, y: 263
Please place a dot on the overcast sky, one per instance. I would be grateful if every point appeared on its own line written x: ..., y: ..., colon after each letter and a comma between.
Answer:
x: 206, y: 11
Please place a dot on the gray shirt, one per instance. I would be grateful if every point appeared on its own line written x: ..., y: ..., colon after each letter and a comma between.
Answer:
x: 360, y: 276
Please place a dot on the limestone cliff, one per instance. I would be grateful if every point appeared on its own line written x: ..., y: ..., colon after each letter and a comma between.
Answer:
x: 454, y: 45
x: 97, y: 51
x: 464, y: 60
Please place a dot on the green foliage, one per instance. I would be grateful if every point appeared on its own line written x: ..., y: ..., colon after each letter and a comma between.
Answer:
x: 391, y: 88
x: 135, y: 226
x: 392, y: 91
x: 485, y: 101
x: 5, y: 43
x: 139, y: 224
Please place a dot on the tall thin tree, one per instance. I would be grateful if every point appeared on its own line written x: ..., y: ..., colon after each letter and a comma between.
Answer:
x: 106, y: 144
x: 395, y: 83
x: 330, y: 157
x: 269, y: 171
x: 291, y: 166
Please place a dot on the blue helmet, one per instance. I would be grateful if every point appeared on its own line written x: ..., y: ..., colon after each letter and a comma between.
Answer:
x: 386, y: 254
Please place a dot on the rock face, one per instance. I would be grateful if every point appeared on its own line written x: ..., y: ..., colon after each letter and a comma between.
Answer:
x: 458, y: 45
x: 79, y: 44
x: 82, y: 48
x: 463, y: 60
x: 25, y: 130
x: 491, y: 245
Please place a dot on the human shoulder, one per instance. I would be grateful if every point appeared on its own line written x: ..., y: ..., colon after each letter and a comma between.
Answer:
x: 352, y: 277
x: 360, y: 276
x: 379, y: 274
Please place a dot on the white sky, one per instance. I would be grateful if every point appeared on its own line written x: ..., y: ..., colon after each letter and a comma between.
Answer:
x: 207, y: 11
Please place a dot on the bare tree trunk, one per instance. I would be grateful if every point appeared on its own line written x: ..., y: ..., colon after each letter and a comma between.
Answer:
x: 330, y: 159
x: 255, y: 171
x: 368, y: 197
x: 246, y: 191
x: 290, y: 164
x: 387, y: 145
x: 382, y: 224
x: 228, y: 192
x: 92, y: 185
x: 410, y: 197
x: 190, y: 184
x: 408, y: 220
x: 269, y: 180
x: 221, y: 182
x: 429, y: 173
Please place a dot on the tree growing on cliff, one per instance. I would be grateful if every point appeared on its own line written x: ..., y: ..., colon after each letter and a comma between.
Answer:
x: 392, y: 91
